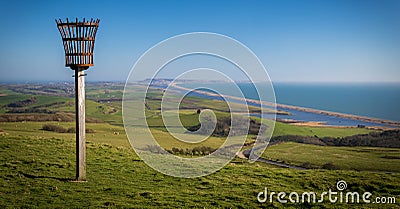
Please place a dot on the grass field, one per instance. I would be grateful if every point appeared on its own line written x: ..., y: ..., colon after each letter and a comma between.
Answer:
x: 287, y: 129
x: 37, y: 167
x: 347, y: 158
x: 37, y: 172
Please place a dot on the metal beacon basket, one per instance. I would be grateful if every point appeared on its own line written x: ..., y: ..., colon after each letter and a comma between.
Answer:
x: 78, y: 40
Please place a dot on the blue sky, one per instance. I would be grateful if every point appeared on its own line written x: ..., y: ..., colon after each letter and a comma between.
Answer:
x: 297, y: 41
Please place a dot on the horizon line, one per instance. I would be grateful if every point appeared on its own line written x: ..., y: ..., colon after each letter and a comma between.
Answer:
x: 202, y: 80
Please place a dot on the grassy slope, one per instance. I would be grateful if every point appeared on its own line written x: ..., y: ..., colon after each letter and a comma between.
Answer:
x: 348, y: 158
x: 37, y: 172
x: 36, y: 166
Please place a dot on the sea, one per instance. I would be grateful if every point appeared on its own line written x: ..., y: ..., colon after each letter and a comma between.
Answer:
x: 376, y: 100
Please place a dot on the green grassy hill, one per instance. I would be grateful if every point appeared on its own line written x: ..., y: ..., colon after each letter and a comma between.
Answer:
x: 346, y: 158
x: 38, y: 172
x: 37, y: 167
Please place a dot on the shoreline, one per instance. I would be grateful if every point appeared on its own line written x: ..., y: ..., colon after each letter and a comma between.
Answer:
x: 304, y: 109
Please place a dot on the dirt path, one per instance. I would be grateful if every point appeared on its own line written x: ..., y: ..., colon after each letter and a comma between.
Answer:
x: 246, y: 153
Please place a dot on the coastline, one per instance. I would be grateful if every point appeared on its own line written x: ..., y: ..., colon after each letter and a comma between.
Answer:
x: 292, y: 107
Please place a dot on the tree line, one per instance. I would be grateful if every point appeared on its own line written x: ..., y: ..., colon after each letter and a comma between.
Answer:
x: 389, y: 138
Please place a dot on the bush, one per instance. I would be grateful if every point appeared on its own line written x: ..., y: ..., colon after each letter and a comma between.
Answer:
x: 223, y: 126
x: 154, y: 149
x: 203, y: 150
x: 389, y: 138
x: 308, y: 165
x: 60, y: 129
x: 90, y: 131
x: 73, y: 130
x: 330, y: 166
x: 54, y: 128
x: 23, y: 103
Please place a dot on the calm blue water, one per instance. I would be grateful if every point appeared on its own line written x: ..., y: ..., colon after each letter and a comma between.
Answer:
x: 372, y: 100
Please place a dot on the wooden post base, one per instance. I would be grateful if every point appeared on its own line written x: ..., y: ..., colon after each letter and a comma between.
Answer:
x: 80, y: 124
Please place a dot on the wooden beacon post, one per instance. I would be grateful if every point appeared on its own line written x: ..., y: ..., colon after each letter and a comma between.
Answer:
x: 78, y: 39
